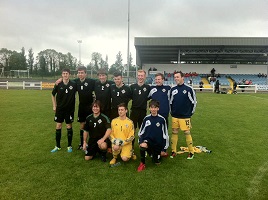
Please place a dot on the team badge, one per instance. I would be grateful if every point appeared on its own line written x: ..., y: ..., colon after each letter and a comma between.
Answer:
x: 157, y: 124
x: 71, y: 87
x: 144, y: 89
x: 123, y: 91
x: 107, y: 85
x: 147, y: 123
x: 184, y: 91
x: 86, y: 84
x: 99, y: 121
x: 126, y: 125
x: 163, y: 90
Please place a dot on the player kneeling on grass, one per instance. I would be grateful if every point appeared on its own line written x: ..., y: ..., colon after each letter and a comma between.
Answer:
x: 98, y: 128
x: 122, y: 135
x: 153, y: 135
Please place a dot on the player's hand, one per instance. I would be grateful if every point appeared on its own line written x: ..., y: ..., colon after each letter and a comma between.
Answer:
x: 58, y: 81
x: 85, y: 146
x: 100, y: 141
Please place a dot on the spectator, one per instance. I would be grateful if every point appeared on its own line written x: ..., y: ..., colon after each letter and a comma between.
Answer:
x: 201, y: 85
x: 217, y: 87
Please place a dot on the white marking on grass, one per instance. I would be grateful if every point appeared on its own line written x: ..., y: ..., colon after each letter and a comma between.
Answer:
x: 253, y: 188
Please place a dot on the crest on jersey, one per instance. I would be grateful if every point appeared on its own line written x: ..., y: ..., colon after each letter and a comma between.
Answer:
x: 126, y: 125
x: 184, y: 91
x: 157, y: 124
x: 107, y: 85
x: 99, y: 121
x: 71, y: 87
x: 86, y: 84
x: 163, y: 90
x: 144, y: 89
x: 147, y: 123
x: 123, y: 91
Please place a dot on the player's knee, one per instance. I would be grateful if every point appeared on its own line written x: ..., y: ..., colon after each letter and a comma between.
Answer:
x: 175, y: 131
x: 58, y: 126
x: 68, y: 126
x: 124, y: 158
x: 144, y: 145
x: 187, y: 133
x: 116, y: 148
x: 88, y: 157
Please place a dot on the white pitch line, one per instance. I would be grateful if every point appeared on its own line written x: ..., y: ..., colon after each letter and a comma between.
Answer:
x: 253, y: 189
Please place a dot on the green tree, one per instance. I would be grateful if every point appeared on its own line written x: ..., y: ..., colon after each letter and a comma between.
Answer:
x: 5, y: 57
x: 96, y: 60
x: 118, y: 62
x: 30, y: 60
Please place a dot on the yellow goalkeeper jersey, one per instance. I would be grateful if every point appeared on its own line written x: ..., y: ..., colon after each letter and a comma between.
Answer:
x: 122, y: 129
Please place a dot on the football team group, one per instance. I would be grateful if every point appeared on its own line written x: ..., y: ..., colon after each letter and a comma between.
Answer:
x: 106, y: 125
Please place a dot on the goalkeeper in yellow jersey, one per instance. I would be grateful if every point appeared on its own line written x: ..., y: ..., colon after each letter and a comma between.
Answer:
x: 122, y: 135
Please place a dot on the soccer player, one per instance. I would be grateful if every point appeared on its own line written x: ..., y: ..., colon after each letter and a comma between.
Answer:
x: 139, y: 92
x: 120, y: 93
x: 98, y: 129
x: 161, y: 92
x: 122, y: 135
x: 103, y: 92
x: 153, y: 135
x: 182, y: 104
x: 85, y: 88
x: 63, y: 100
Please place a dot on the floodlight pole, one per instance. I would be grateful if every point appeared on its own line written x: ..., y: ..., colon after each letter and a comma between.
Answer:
x: 128, y: 62
x: 79, y: 46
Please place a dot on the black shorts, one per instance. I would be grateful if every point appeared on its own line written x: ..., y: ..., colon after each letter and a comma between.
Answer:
x: 83, y: 112
x: 62, y: 115
x: 137, y: 116
x: 93, y: 147
x: 155, y: 151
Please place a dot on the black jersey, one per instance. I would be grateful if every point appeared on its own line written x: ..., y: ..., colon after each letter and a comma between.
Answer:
x: 120, y: 95
x: 139, y: 95
x: 65, y: 98
x: 85, y: 90
x: 103, y: 93
x: 97, y: 126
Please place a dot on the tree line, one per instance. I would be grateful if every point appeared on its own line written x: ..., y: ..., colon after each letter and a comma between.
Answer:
x: 50, y: 62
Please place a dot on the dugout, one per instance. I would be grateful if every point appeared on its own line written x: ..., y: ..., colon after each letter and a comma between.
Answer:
x: 230, y: 55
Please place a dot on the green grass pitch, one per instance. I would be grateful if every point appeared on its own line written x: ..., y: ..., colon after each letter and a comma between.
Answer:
x: 234, y: 127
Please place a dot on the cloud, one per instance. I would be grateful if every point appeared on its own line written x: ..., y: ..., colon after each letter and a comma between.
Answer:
x: 102, y: 25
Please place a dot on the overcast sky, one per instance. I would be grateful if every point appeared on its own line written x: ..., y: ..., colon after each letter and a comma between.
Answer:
x: 102, y: 24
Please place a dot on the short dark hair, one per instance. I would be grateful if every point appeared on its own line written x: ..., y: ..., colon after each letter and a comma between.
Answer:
x: 116, y: 74
x: 160, y: 74
x: 154, y: 103
x: 180, y: 72
x: 122, y: 105
x: 66, y: 70
x: 82, y: 68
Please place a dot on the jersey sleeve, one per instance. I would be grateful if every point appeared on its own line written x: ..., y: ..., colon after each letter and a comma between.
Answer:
x: 54, y: 90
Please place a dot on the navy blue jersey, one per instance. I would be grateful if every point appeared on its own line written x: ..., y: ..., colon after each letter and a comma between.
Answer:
x: 182, y: 101
x: 154, y: 131
x: 139, y: 96
x: 161, y: 94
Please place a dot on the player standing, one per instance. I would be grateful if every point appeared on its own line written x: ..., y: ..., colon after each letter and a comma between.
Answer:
x: 103, y: 92
x: 120, y: 93
x: 182, y: 104
x: 63, y: 100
